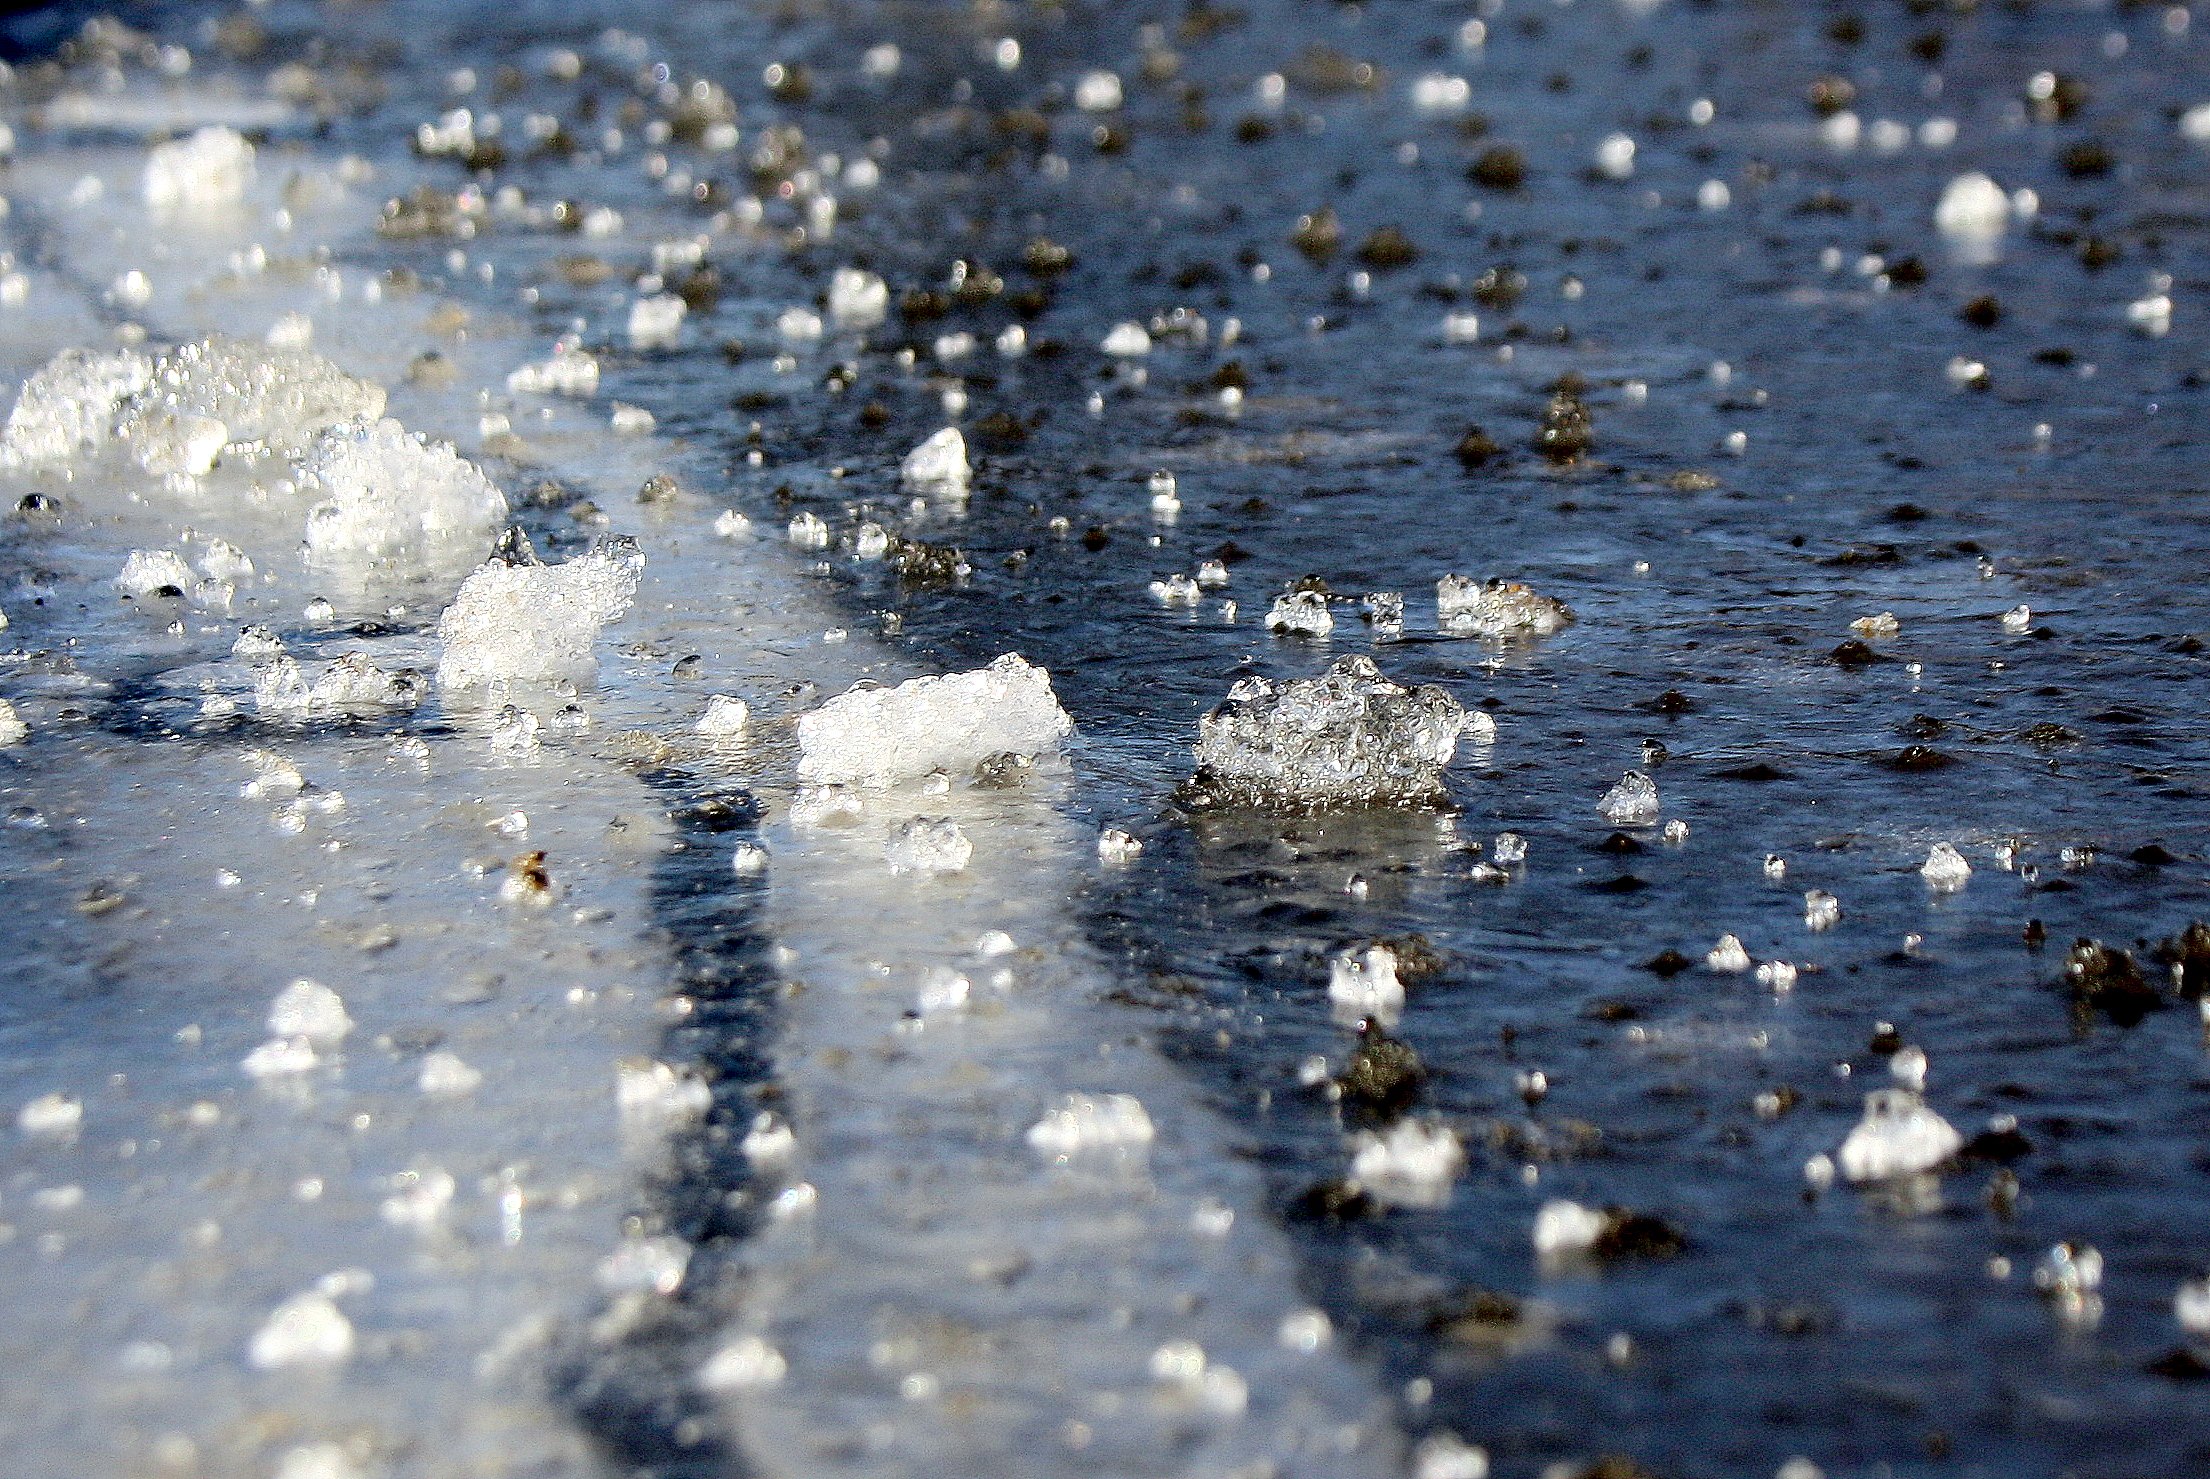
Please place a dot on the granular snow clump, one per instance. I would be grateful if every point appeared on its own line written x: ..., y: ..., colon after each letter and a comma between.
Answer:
x: 938, y: 466
x: 878, y: 736
x: 263, y: 395
x: 67, y: 408
x: 385, y: 492
x: 1499, y: 608
x: 13, y: 731
x: 213, y: 167
x: 1084, y: 1122
x: 1899, y: 1136
x: 535, y: 623
x: 1349, y: 737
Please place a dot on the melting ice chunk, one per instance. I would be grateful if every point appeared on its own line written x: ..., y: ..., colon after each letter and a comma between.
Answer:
x: 1087, y: 1122
x: 1899, y: 1136
x: 384, y: 493
x: 310, y: 1010
x: 1349, y: 737
x: 68, y: 407
x: 878, y: 736
x: 1945, y: 868
x: 938, y: 467
x: 572, y: 371
x: 725, y: 717
x: 1728, y: 955
x: 1565, y: 1228
x: 1301, y: 614
x: 212, y: 168
x: 1499, y: 608
x: 262, y: 394
x: 857, y: 299
x: 146, y: 571
x: 1972, y: 207
x: 1365, y: 983
x: 928, y: 846
x: 535, y: 623
x: 305, y: 1330
x: 1633, y: 800
x: 656, y: 323
x: 1411, y: 1164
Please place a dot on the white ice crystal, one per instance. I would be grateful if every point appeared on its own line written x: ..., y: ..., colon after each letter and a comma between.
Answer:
x: 312, y: 1011
x: 1301, y: 614
x: 1972, y: 206
x: 1564, y: 1228
x: 857, y: 299
x: 305, y: 1330
x: 1365, y: 982
x: 1945, y: 868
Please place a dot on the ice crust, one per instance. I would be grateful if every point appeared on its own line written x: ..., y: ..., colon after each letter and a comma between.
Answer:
x: 384, y: 493
x: 879, y: 736
x: 211, y: 168
x: 1899, y: 1136
x: 264, y: 396
x: 68, y: 407
x: 1498, y: 608
x: 535, y: 623
x: 1349, y: 737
